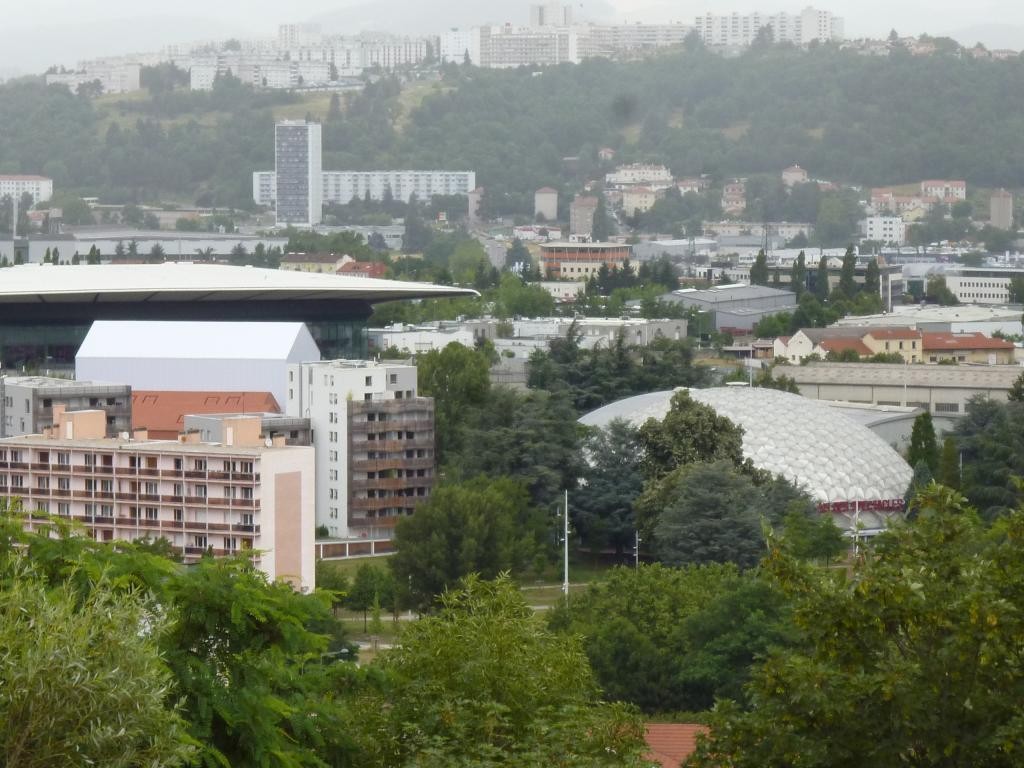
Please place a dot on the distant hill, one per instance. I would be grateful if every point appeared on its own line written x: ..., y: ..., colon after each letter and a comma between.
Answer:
x: 990, y: 35
x: 844, y: 117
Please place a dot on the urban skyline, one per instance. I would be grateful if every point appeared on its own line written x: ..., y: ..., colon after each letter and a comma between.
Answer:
x: 61, y: 32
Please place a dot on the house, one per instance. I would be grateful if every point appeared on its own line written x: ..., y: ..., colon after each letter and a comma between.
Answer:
x: 639, y: 199
x: 794, y: 175
x: 974, y: 348
x: 670, y: 744
x: 906, y: 342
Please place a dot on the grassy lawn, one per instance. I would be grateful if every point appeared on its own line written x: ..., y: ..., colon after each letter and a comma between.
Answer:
x: 412, y: 96
x: 350, y: 566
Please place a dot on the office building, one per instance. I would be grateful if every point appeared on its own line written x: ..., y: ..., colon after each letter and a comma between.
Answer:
x: 581, y: 261
x: 299, y: 184
x: 15, y: 186
x: 374, y: 443
x: 733, y: 307
x: 226, y: 498
x: 27, y: 403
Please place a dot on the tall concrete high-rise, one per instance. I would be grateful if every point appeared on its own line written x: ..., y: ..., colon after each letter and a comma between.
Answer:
x: 298, y: 166
x: 1001, y: 210
x: 551, y: 14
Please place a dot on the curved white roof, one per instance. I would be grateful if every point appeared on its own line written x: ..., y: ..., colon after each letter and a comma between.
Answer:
x: 828, y: 454
x: 185, y: 281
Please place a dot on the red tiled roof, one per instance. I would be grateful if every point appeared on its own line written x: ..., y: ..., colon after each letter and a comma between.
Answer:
x: 547, y: 189
x: 309, y: 258
x: 894, y: 333
x: 671, y: 743
x: 841, y: 345
x: 963, y: 341
x: 163, y: 412
x: 365, y: 268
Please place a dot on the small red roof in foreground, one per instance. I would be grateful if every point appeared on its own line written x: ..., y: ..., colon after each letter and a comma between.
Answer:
x: 671, y: 743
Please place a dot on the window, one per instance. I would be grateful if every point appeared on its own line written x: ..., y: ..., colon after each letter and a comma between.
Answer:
x: 199, y: 465
x: 247, y: 519
x: 200, y: 491
x: 63, y: 459
x: 178, y: 464
x: 369, y: 382
x: 64, y: 483
x: 245, y: 467
x: 229, y: 492
x: 178, y: 515
x: 947, y: 407
x: 107, y: 486
x: 179, y: 489
x: 151, y: 488
x: 231, y: 543
x: 245, y: 492
x: 106, y: 510
x: 63, y: 509
x: 199, y: 540
x: 393, y: 378
x: 151, y: 513
x: 43, y: 483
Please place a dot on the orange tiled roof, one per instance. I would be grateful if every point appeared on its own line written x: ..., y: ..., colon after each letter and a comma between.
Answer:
x: 964, y: 341
x: 366, y: 268
x: 669, y: 744
x: 163, y: 412
x: 841, y: 345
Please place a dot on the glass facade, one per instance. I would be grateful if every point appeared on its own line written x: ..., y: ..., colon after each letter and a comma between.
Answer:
x: 40, y: 347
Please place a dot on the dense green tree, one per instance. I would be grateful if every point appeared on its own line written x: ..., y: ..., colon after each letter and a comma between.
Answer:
x: 484, y: 526
x: 872, y: 278
x: 922, y: 658
x: 674, y: 639
x: 1016, y: 394
x: 847, y: 284
x: 821, y: 289
x: 798, y: 275
x: 602, y: 507
x: 518, y: 299
x: 457, y: 378
x: 937, y: 291
x: 691, y: 432
x: 482, y: 682
x: 759, y: 271
x: 990, y: 438
x: 517, y: 253
x: 372, y: 583
x: 712, y: 513
x: 602, y: 227
x: 921, y: 479
x: 949, y: 465
x: 923, y: 445
x: 81, y: 678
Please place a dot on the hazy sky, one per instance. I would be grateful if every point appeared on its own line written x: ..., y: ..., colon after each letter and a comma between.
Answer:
x: 42, y: 32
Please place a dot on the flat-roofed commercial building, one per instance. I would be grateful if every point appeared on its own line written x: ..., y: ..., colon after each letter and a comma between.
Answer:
x: 943, y: 390
x: 374, y: 441
x: 46, y: 311
x: 581, y: 261
x: 227, y: 498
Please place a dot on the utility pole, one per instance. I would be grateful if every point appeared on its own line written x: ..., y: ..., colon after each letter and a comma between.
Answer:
x: 636, y: 549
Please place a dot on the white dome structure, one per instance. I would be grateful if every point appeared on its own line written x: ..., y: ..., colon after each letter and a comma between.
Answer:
x: 845, y: 467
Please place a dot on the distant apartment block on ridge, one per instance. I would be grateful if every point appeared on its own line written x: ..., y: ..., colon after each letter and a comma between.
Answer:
x: 16, y: 185
x: 740, y: 30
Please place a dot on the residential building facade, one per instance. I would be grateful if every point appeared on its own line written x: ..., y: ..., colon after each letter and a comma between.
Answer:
x: 240, y: 496
x: 545, y: 204
x: 298, y: 176
x: 740, y: 30
x: 342, y: 186
x: 16, y: 185
x: 1001, y: 210
x: 581, y: 215
x: 885, y: 229
x: 374, y: 443
x: 27, y: 403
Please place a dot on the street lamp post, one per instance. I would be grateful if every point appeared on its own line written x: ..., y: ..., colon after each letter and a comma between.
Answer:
x: 565, y: 547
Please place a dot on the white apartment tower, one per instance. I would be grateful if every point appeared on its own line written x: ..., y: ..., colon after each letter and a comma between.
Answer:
x: 374, y: 443
x: 298, y: 170
x: 740, y: 30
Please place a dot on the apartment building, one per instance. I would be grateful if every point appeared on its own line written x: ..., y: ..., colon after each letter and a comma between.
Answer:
x: 239, y: 496
x: 27, y: 403
x: 1001, y: 210
x: 740, y: 30
x: 374, y: 443
x: 112, y: 77
x: 794, y: 175
x: 734, y: 197
x: 885, y: 229
x: 341, y: 186
x: 297, y: 165
x: 16, y: 185
x: 581, y: 215
x: 944, y: 190
x: 657, y: 176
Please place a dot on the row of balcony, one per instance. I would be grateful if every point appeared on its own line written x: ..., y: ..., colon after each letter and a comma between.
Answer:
x: 397, y: 462
x: 187, y: 526
x: 97, y: 469
x: 389, y: 483
x: 142, y: 498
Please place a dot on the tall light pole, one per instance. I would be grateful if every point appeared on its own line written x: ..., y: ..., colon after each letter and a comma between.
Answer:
x: 565, y: 547
x: 636, y: 549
